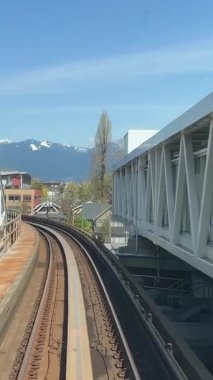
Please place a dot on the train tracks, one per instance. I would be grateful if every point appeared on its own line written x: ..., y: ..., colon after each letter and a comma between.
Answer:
x: 109, y: 352
x: 43, y: 341
x: 82, y: 324
x: 46, y: 351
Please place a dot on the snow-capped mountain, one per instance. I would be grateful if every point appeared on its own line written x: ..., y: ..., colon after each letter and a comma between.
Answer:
x: 46, y: 144
x: 47, y: 160
x: 36, y: 145
x: 5, y: 141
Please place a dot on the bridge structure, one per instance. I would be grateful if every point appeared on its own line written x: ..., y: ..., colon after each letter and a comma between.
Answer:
x: 164, y: 188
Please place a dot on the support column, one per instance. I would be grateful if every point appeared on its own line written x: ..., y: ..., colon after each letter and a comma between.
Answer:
x: 206, y: 200
x: 181, y: 180
x: 169, y: 186
x: 192, y: 190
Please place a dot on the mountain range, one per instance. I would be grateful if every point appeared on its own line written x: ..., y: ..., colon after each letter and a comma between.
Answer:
x: 49, y: 161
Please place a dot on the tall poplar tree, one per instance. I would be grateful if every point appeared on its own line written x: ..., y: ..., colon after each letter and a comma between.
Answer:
x: 102, y: 140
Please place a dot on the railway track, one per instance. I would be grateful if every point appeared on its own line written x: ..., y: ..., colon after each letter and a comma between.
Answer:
x: 45, y: 351
x: 110, y: 354
x: 43, y: 341
x: 85, y: 323
x: 120, y: 342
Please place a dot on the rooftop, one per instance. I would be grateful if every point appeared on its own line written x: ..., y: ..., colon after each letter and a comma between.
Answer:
x: 94, y: 210
x: 13, y: 172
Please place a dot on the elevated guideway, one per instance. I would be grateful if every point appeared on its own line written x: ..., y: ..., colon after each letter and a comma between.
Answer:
x: 164, y: 188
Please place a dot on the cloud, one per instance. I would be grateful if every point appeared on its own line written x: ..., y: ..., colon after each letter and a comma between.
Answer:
x: 193, y: 59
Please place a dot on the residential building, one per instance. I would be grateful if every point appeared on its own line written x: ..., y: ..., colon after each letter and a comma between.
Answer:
x: 24, y: 200
x: 99, y: 214
x: 116, y: 232
x: 16, y: 180
x: 54, y: 189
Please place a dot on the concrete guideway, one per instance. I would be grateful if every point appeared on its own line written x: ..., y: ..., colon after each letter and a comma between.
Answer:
x: 78, y: 364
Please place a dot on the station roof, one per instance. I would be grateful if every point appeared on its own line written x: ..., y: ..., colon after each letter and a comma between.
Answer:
x: 42, y: 207
x: 48, y: 209
x: 198, y: 113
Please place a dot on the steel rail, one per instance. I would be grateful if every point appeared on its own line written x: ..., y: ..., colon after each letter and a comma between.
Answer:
x: 31, y: 341
x: 80, y: 358
x: 133, y: 369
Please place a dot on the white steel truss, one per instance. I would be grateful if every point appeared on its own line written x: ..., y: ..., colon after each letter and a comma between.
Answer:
x: 166, y: 193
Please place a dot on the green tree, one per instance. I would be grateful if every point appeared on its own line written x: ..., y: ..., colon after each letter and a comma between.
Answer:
x: 85, y: 191
x: 99, y: 168
x: 71, y: 191
x: 37, y: 185
x: 84, y: 224
x: 69, y: 199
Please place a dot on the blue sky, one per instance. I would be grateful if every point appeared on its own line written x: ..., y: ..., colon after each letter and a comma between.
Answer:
x: 63, y: 62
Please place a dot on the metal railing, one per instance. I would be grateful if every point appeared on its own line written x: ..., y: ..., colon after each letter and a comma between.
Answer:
x: 185, y: 290
x: 179, y: 291
x: 10, y: 230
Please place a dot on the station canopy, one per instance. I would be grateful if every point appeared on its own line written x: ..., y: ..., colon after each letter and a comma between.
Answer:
x: 48, y: 210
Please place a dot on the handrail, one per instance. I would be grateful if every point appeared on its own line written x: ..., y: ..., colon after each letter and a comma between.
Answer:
x: 179, y: 284
x: 155, y: 277
x: 185, y: 290
x: 204, y: 286
x: 10, y: 230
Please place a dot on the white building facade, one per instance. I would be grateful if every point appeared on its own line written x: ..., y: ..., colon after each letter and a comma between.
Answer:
x: 164, y: 188
x: 135, y: 137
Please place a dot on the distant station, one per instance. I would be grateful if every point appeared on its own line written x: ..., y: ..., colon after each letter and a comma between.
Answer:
x: 49, y: 210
